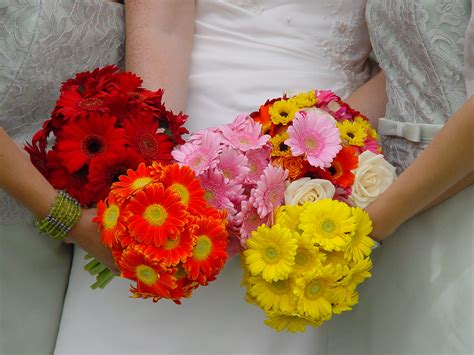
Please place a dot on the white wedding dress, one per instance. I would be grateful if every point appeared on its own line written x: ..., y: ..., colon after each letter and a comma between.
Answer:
x: 244, y: 52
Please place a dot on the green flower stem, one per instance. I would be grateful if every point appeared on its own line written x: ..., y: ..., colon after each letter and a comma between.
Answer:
x: 102, y: 274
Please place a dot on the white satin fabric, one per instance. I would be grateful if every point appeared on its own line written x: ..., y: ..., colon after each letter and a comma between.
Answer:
x: 244, y: 53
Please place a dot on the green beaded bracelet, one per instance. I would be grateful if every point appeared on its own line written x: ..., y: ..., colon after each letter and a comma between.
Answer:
x: 63, y: 215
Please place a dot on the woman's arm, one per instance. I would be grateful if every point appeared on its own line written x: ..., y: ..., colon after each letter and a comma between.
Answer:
x: 20, y: 179
x: 445, y: 167
x: 371, y: 98
x: 159, y: 36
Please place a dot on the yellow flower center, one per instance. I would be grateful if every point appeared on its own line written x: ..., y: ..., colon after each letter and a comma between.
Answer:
x: 182, y: 191
x: 203, y: 247
x: 279, y: 287
x: 271, y: 255
x: 111, y: 215
x: 172, y: 243
x: 208, y: 196
x: 141, y: 183
x: 328, y: 226
x: 253, y: 167
x: 313, y: 289
x: 156, y: 215
x: 180, y: 273
x: 302, y: 257
x: 310, y: 143
x: 146, y: 274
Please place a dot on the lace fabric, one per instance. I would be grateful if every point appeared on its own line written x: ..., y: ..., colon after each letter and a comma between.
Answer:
x: 42, y: 43
x: 419, y: 44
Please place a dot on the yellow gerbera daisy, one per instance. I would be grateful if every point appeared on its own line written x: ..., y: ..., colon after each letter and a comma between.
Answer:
x: 315, y: 294
x: 271, y: 252
x: 361, y: 244
x: 283, y: 112
x: 368, y: 127
x: 288, y: 322
x: 289, y: 216
x: 279, y: 148
x: 305, y: 99
x: 277, y: 296
x: 308, y: 258
x: 336, y: 258
x: 328, y: 223
x: 357, y: 273
x: 354, y: 133
x: 352, y: 298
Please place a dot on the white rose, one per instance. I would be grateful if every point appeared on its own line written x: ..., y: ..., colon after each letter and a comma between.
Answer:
x: 308, y: 190
x: 372, y: 177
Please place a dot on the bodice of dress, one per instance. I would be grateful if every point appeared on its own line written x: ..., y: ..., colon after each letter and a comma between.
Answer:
x: 42, y: 43
x: 419, y: 44
x: 246, y: 51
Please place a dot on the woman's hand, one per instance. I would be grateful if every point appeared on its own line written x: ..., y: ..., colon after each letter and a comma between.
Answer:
x: 85, y: 234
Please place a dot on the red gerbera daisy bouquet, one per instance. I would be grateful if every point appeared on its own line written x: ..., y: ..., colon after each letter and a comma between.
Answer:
x: 305, y: 264
x: 103, y: 124
x: 163, y: 234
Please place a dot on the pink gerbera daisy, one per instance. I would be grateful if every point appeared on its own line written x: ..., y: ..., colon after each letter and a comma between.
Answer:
x: 218, y: 192
x: 249, y: 219
x: 233, y: 164
x: 258, y: 160
x: 245, y: 134
x: 199, y: 157
x: 270, y: 190
x: 370, y: 144
x: 325, y: 97
x: 314, y: 136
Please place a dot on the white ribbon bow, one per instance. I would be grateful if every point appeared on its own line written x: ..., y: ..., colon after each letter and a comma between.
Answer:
x: 414, y: 132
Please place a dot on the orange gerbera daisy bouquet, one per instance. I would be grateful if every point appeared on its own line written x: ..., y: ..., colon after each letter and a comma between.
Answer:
x: 162, y: 232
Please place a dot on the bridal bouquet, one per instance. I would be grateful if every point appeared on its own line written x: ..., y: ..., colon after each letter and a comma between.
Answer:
x: 163, y: 234
x: 103, y: 124
x: 305, y: 262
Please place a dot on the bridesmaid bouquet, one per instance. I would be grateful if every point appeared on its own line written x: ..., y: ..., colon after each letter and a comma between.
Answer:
x: 163, y: 234
x: 103, y: 124
x: 304, y: 264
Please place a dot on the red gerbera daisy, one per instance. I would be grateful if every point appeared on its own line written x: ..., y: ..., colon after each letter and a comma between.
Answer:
x: 106, y: 169
x: 89, y: 82
x: 158, y: 215
x: 209, y: 252
x: 143, y: 137
x: 151, y: 277
x: 185, y: 286
x: 183, y: 181
x: 340, y: 171
x: 174, y: 123
x: 87, y: 138
x: 110, y: 220
x: 133, y: 181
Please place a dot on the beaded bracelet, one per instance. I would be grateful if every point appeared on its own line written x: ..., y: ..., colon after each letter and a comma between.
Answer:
x: 64, y: 214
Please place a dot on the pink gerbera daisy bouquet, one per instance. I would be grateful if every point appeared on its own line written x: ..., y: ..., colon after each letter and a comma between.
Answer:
x: 310, y: 248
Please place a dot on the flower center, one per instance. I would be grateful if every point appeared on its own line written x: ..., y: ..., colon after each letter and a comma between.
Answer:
x: 313, y: 289
x: 271, y: 255
x: 350, y: 135
x: 301, y: 257
x: 283, y: 147
x: 328, y: 226
x: 140, y: 183
x: 227, y: 173
x: 180, y: 273
x: 172, y: 243
x: 253, y: 167
x: 146, y: 274
x: 90, y: 103
x: 111, y: 216
x: 136, y: 95
x: 182, y: 191
x: 209, y: 196
x: 280, y: 287
x: 284, y: 114
x: 310, y: 143
x: 203, y: 248
x: 93, y: 145
x: 147, y: 144
x: 156, y: 215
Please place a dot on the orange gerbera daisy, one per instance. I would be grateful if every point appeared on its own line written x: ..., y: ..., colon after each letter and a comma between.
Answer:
x: 151, y: 277
x: 110, y: 219
x: 174, y: 250
x: 340, y: 171
x: 185, y: 285
x: 209, y: 252
x: 135, y: 180
x: 158, y: 215
x: 183, y: 181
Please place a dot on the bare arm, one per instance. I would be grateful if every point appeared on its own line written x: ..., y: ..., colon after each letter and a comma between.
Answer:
x: 371, y: 98
x: 445, y: 167
x: 20, y: 179
x: 159, y: 36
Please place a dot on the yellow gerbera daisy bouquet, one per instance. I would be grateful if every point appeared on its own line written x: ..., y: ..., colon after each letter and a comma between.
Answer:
x: 306, y: 263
